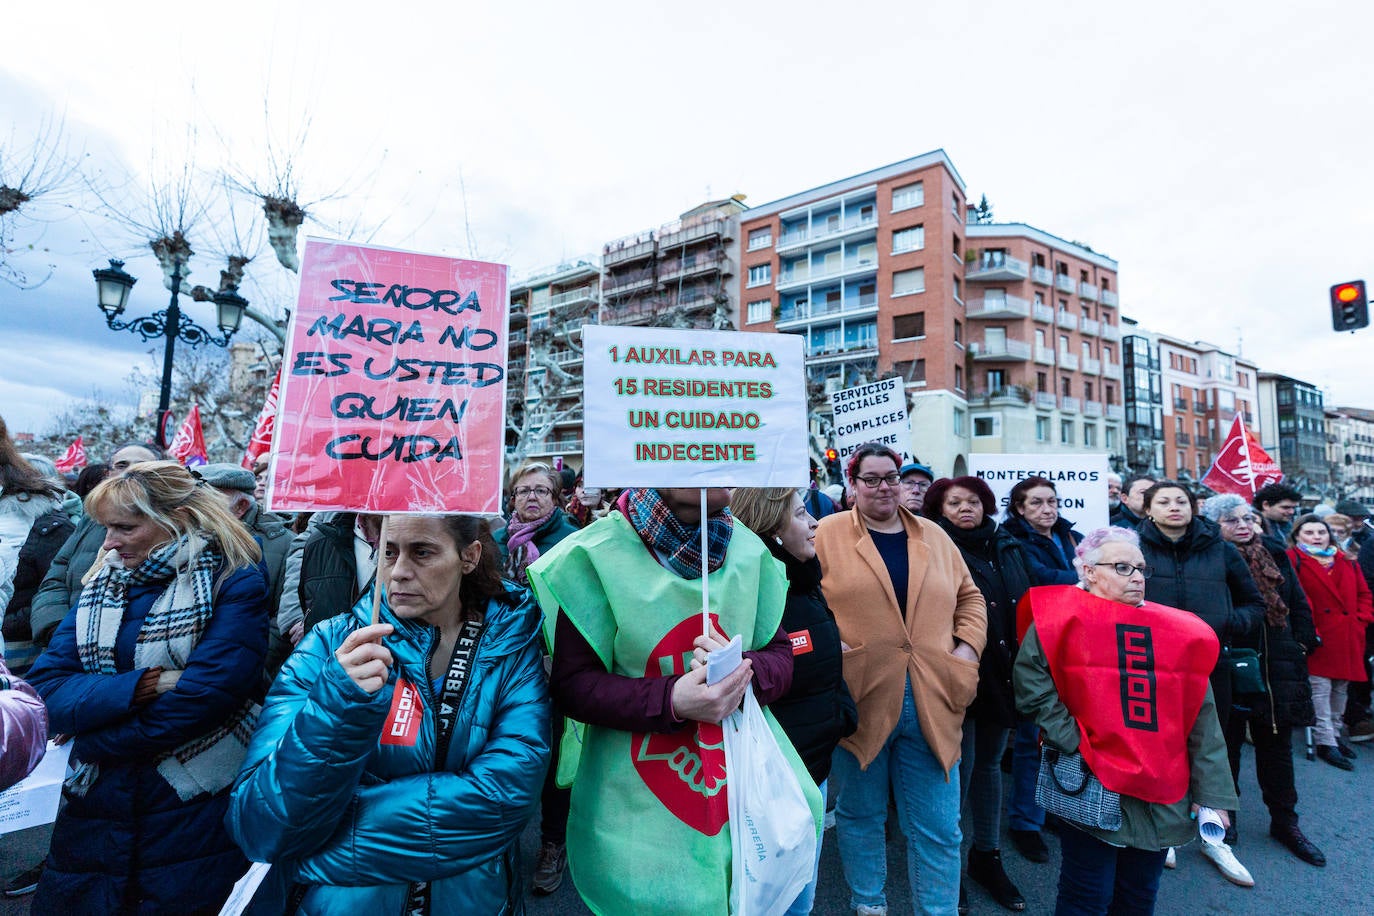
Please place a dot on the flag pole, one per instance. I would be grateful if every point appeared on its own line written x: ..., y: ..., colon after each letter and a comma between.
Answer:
x: 705, y: 568
x: 377, y: 578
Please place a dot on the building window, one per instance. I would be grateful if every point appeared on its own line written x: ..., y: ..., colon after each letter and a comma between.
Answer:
x: 908, y: 196
x: 988, y: 426
x: 1042, y: 382
x: 959, y: 423
x: 958, y: 289
x: 956, y: 207
x: 1111, y: 439
x: 997, y: 379
x: 906, y: 327
x: 904, y: 282
x: 759, y: 310
x: 1042, y: 429
x: 760, y: 275
x: 913, y: 239
x: 958, y: 378
x: 1066, y: 432
x: 911, y: 370
x: 760, y: 238
x: 955, y: 244
x: 1090, y: 435
x: 958, y: 331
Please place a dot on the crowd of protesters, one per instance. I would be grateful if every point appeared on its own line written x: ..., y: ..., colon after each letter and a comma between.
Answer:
x: 379, y: 718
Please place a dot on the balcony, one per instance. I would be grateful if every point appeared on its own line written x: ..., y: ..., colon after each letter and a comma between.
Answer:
x: 515, y: 365
x: 830, y: 353
x: 563, y: 447
x: 1068, y: 404
x: 1110, y: 331
x: 517, y: 337
x: 1111, y: 369
x: 1068, y: 361
x: 711, y: 227
x: 853, y: 307
x: 1180, y: 403
x: 694, y: 265
x: 1092, y: 408
x: 825, y: 232
x: 1115, y: 412
x: 624, y: 251
x: 1089, y: 325
x: 1109, y: 298
x: 1182, y: 439
x: 626, y: 284
x: 1041, y: 275
x: 1063, y: 283
x: 1092, y: 366
x: 581, y: 294
x: 1000, y: 307
x: 1066, y: 321
x: 803, y: 274
x: 1087, y: 291
x: 1010, y: 394
x: 992, y: 267
x: 1001, y: 350
x: 1046, y: 400
x: 565, y: 357
x: 1044, y: 355
x: 1042, y: 312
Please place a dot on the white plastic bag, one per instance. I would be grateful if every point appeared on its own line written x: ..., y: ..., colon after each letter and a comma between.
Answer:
x: 772, y: 830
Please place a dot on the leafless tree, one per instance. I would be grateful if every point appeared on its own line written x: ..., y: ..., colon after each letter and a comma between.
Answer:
x: 35, y: 175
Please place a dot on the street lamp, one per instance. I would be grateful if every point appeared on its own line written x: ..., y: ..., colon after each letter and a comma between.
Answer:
x: 113, y: 285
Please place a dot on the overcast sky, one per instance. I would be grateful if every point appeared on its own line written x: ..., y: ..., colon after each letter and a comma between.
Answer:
x: 1219, y: 152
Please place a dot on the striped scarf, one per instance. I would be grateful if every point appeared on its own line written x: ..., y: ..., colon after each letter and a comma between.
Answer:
x: 169, y: 635
x: 677, y: 546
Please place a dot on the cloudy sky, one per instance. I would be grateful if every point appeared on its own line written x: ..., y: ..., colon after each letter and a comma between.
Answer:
x: 1219, y: 152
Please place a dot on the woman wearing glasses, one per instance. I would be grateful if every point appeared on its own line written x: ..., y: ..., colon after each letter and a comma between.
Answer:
x: 915, y: 624
x: 1283, y: 643
x: 536, y: 524
x: 1195, y: 570
x: 1163, y: 751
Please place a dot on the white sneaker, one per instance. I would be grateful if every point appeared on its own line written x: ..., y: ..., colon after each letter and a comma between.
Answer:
x: 1171, y: 858
x: 1226, y: 862
x: 871, y: 911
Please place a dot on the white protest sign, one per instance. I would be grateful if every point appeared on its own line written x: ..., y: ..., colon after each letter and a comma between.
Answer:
x: 1079, y: 480
x: 875, y: 412
x: 666, y: 407
x: 33, y: 800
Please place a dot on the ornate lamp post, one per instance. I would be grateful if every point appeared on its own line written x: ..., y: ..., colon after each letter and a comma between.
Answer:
x: 113, y: 285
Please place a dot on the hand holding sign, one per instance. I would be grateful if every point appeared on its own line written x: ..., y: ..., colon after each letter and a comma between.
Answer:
x: 365, y: 660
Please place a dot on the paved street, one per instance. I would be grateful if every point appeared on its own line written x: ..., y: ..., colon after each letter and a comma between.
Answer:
x: 1337, y: 811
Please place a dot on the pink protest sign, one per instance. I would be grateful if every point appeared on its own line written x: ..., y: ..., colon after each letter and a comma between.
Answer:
x: 393, y: 385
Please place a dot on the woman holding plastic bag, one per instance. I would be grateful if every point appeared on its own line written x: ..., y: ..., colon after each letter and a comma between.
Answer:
x: 623, y: 614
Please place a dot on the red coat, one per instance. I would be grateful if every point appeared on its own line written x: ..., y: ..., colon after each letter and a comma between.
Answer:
x: 1341, y: 609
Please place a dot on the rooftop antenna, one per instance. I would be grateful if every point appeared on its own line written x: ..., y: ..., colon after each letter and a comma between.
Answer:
x: 1240, y: 341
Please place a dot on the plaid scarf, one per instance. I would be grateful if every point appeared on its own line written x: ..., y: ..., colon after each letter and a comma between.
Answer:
x: 677, y: 546
x: 169, y: 635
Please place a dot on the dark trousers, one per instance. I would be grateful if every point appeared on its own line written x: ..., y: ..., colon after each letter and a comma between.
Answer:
x: 553, y: 801
x: 1096, y: 879
x: 1273, y: 764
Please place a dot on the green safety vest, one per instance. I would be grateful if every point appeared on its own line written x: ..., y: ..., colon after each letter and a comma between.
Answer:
x: 645, y: 829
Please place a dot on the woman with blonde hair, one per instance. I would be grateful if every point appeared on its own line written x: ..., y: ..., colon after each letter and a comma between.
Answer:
x: 151, y: 675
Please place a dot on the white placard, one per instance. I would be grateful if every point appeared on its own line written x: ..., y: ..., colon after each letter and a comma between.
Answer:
x: 665, y: 407
x: 875, y: 412
x: 1080, y: 481
x: 33, y: 800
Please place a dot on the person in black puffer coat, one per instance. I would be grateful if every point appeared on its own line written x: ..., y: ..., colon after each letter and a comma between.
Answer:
x: 49, y: 532
x: 964, y: 508
x: 817, y: 711
x: 1282, y: 643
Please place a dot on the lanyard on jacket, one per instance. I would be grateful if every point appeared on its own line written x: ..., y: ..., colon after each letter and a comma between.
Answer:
x: 450, y: 698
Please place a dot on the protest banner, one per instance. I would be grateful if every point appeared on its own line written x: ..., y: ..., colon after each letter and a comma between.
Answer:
x: 392, y: 395
x: 668, y: 407
x: 874, y: 412
x: 261, y: 441
x: 1241, y: 467
x: 1080, y: 481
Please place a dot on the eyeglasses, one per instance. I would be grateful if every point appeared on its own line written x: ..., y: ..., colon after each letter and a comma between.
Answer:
x: 1124, y: 570
x: 915, y: 483
x: 1232, y: 521
x: 532, y: 491
x: 873, y: 481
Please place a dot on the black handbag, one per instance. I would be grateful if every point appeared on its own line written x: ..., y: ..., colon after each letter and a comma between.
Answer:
x: 1066, y: 787
x: 1246, y: 676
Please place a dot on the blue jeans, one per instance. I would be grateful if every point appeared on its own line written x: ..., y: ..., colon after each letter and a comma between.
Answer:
x: 1096, y: 879
x: 1022, y: 811
x: 927, y: 810
x: 807, y: 898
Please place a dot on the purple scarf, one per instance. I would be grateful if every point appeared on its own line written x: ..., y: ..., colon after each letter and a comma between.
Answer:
x: 520, y: 547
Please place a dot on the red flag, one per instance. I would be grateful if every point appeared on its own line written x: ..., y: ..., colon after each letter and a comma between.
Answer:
x: 1242, y: 467
x: 73, y: 458
x: 262, y: 430
x: 189, y: 445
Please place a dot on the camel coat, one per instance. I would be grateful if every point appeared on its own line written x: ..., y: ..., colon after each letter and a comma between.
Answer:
x: 943, y: 605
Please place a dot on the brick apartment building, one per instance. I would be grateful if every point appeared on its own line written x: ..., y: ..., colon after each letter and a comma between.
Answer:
x: 1350, y: 451
x: 1204, y: 388
x: 1293, y: 430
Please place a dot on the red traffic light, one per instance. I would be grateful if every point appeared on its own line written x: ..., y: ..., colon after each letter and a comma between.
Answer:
x: 1349, y: 306
x: 831, y: 454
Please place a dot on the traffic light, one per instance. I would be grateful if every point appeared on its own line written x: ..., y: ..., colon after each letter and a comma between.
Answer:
x: 832, y: 465
x: 1349, y: 307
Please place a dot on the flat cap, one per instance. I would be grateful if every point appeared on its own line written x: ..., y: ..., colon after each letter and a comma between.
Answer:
x: 225, y: 476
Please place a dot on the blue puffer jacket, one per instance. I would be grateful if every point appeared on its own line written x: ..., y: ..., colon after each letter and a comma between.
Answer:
x: 320, y: 796
x: 131, y: 845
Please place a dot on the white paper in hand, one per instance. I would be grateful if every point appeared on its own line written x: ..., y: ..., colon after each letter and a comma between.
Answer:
x: 721, y: 663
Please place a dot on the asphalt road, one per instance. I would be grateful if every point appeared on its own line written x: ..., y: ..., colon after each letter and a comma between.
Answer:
x: 1337, y: 811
